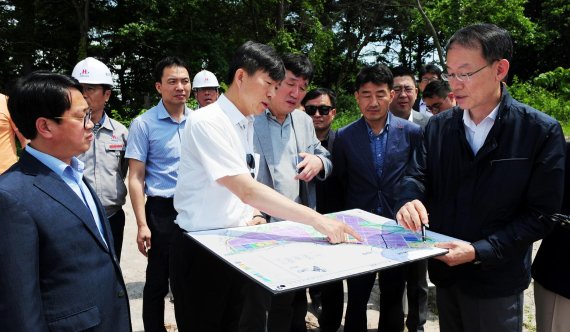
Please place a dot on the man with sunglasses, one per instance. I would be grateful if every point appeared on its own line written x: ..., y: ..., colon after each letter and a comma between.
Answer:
x: 58, y: 263
x: 369, y: 158
x: 489, y: 172
x: 327, y: 299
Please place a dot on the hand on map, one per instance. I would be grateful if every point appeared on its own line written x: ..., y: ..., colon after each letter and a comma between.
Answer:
x: 310, y: 166
x: 336, y: 231
x: 459, y: 253
x: 412, y: 215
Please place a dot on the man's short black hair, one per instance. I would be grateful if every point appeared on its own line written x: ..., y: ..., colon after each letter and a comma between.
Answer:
x: 495, y: 43
x: 430, y: 68
x: 315, y: 93
x: 377, y: 74
x: 299, y: 65
x: 167, y: 62
x: 40, y: 94
x: 403, y: 71
x: 437, y: 88
x: 252, y: 56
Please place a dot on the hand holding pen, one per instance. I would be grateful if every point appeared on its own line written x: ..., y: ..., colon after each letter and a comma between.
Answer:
x: 413, y: 216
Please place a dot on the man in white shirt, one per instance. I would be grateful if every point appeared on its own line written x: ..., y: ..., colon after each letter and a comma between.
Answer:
x: 216, y: 190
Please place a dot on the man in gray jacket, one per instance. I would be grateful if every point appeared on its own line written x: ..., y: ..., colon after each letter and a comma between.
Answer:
x: 291, y: 160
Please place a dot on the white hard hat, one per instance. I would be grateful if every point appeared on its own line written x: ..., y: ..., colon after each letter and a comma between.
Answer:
x: 205, y: 79
x: 92, y: 71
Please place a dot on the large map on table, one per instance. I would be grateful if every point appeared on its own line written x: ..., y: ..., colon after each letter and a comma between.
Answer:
x: 283, y: 256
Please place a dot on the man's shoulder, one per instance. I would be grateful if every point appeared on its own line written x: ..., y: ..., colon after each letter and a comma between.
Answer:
x: 118, y: 125
x: 524, y: 112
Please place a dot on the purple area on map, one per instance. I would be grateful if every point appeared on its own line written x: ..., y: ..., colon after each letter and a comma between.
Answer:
x: 389, y: 236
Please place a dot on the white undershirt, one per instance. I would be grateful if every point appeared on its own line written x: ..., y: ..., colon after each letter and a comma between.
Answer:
x: 477, y: 134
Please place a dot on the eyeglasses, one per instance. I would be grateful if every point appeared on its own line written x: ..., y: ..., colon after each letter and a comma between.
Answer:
x: 250, y: 164
x: 323, y: 109
x: 85, y: 118
x: 462, y: 77
x: 434, y: 108
x: 405, y: 88
x: 208, y: 88
x: 429, y: 79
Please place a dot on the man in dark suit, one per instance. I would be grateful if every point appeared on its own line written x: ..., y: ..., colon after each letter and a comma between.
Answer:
x: 59, y: 269
x: 369, y: 157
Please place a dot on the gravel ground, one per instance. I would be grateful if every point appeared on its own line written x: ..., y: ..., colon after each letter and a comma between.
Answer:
x: 133, y: 264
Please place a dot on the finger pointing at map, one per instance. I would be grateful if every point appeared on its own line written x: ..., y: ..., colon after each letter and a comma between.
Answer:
x: 336, y: 231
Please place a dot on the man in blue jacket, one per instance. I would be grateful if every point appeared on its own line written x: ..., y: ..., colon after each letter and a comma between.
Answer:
x: 59, y: 271
x: 369, y: 158
x: 486, y: 172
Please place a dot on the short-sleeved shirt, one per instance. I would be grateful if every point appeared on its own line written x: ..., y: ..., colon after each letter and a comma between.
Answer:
x: 154, y: 139
x: 216, y: 140
x: 105, y: 167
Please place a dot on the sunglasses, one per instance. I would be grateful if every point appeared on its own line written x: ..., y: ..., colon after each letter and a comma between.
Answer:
x: 250, y: 160
x: 323, y: 109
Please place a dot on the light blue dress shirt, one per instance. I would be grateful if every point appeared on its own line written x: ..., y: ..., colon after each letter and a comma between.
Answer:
x: 155, y: 139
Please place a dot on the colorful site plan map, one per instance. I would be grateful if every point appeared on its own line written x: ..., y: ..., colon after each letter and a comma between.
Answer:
x: 283, y: 256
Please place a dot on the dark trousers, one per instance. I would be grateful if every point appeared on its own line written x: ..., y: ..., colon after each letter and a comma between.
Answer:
x: 160, y: 216
x: 117, y: 223
x: 332, y: 305
x: 392, y: 283
x: 460, y: 312
x: 263, y: 311
x: 287, y: 312
x: 208, y: 293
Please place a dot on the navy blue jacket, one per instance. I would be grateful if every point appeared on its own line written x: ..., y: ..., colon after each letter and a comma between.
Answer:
x: 493, y: 199
x: 354, y: 168
x: 550, y: 267
x: 56, y: 273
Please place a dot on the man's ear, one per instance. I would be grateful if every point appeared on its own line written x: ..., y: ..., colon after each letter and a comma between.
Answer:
x: 158, y: 87
x: 239, y: 77
x: 44, y: 127
x: 502, y: 69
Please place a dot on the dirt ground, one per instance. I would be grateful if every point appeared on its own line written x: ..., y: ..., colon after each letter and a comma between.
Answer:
x: 133, y: 264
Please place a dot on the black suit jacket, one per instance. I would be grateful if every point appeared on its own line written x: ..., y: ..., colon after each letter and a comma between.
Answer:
x: 56, y: 272
x: 354, y: 167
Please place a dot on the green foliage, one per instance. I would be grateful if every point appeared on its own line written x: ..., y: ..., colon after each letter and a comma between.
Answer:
x: 548, y: 92
x: 347, y: 111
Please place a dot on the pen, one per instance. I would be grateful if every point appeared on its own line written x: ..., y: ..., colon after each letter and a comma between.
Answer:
x: 424, y: 232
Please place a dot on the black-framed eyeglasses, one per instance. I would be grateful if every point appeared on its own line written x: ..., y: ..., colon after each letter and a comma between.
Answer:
x: 323, y: 109
x: 250, y: 160
x: 462, y: 77
x: 85, y: 118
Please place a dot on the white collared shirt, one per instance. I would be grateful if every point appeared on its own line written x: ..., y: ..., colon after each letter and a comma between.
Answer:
x: 477, y: 134
x: 214, y: 145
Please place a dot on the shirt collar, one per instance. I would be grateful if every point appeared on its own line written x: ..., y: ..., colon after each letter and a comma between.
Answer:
x: 274, y: 118
x: 56, y: 165
x: 236, y: 117
x: 469, y: 122
x: 385, y: 129
x: 163, y: 113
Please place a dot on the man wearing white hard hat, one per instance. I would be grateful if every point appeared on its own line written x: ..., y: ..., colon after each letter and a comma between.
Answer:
x: 105, y: 165
x: 205, y: 87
